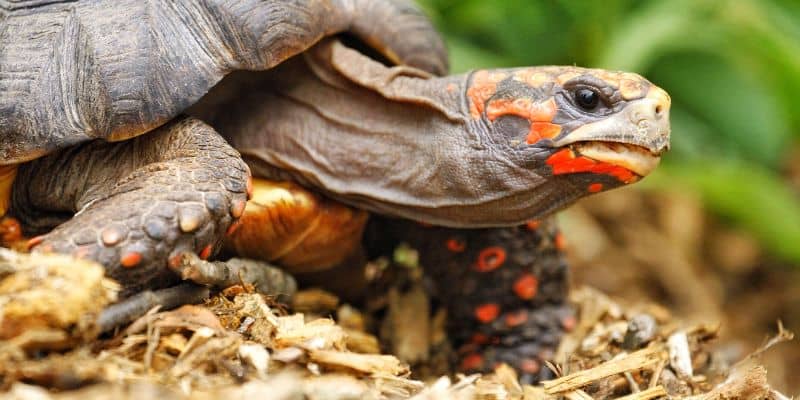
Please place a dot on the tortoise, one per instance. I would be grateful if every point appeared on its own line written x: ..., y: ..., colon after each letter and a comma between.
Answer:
x: 129, y: 131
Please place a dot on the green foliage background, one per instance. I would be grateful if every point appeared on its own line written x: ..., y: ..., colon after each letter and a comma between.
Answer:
x: 732, y: 68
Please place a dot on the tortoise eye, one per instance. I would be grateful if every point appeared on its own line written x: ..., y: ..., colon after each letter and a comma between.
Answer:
x: 586, y: 98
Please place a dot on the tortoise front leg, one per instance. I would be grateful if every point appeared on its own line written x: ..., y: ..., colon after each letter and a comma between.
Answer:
x: 139, y: 204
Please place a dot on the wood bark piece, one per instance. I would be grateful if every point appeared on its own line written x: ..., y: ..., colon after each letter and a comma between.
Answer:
x: 47, y: 291
x: 317, y: 335
x: 648, y: 394
x: 633, y: 361
x: 364, y: 363
x: 409, y: 323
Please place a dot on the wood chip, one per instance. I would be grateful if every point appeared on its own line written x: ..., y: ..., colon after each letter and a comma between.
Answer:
x: 364, y: 363
x: 317, y: 335
x: 633, y: 361
x: 409, y: 324
x: 362, y: 342
x: 578, y: 395
x: 651, y: 393
x: 48, y: 291
x: 680, y: 358
x: 314, y: 300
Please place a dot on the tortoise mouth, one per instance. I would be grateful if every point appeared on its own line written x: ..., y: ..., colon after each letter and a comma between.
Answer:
x: 637, y: 159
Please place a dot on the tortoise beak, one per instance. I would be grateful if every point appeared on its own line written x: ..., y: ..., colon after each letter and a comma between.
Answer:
x: 634, y: 138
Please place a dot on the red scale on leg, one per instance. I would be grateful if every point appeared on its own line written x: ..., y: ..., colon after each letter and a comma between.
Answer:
x: 233, y: 227
x: 526, y: 286
x: 130, y: 259
x: 206, y: 252
x: 486, y: 313
x: 10, y: 230
x: 35, y: 241
x: 560, y: 242
x: 530, y: 366
x: 490, y: 259
x: 472, y: 362
x: 456, y: 245
x: 516, y: 318
x: 569, y: 322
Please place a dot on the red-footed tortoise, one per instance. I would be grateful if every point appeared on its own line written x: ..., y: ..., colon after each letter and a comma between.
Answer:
x: 122, y: 134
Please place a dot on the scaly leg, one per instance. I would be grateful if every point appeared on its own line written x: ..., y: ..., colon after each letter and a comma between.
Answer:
x: 504, y: 289
x: 137, y: 205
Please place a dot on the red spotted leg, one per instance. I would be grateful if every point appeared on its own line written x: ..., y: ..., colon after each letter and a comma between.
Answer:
x: 135, y: 206
x: 505, y: 291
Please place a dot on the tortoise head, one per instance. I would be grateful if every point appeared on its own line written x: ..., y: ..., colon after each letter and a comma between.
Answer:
x: 581, y: 130
x: 488, y: 148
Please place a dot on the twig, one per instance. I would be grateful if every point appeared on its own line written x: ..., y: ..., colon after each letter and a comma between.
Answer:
x: 632, y: 361
x: 651, y: 393
x: 578, y: 395
x: 134, y: 307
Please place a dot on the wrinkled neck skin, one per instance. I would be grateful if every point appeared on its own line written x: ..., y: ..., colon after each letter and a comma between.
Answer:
x: 390, y: 140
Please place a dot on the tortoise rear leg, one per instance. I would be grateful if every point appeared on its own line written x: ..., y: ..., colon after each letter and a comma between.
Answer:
x: 505, y: 290
x: 137, y: 204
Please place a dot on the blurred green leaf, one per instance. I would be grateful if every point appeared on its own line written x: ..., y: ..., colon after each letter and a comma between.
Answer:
x: 743, y: 192
x: 745, y: 118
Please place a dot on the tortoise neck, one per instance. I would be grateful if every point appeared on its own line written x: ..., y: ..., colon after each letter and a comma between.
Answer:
x: 389, y: 144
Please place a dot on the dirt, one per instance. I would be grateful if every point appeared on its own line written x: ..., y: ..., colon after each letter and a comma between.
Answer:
x: 679, y: 305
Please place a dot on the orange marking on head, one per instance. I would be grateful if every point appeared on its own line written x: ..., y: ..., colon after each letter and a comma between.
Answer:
x: 472, y: 362
x: 517, y: 318
x: 595, y: 187
x: 525, y: 108
x: 130, y: 259
x: 533, y: 224
x: 568, y: 323
x: 483, y: 87
x: 538, y: 114
x: 533, y: 77
x: 491, y: 258
x: 565, y: 162
x: 206, y: 252
x: 486, y: 313
x: 526, y: 286
x: 560, y: 241
x: 542, y: 130
x: 452, y: 87
x: 456, y: 245
x: 530, y: 365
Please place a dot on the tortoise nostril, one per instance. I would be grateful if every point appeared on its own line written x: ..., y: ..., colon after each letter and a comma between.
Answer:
x: 659, y: 109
